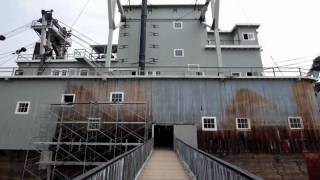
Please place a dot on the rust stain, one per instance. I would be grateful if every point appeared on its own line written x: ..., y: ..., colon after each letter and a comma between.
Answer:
x: 244, y: 103
x: 313, y: 165
x: 305, y: 100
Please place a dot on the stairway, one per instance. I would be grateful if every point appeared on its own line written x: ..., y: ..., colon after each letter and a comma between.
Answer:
x: 163, y: 164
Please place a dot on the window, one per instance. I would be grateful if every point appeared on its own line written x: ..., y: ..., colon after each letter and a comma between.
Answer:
x: 18, y: 72
x: 295, y: 122
x: 178, y: 52
x: 22, y: 107
x: 116, y: 97
x: 248, y: 36
x: 55, y: 72
x: 177, y: 25
x: 68, y: 98
x: 209, y: 123
x: 59, y: 72
x: 200, y: 73
x: 84, y: 72
x: 151, y: 73
x: 243, y: 123
x: 249, y: 74
x: 193, y: 67
x: 236, y: 74
x: 94, y: 124
x: 158, y: 73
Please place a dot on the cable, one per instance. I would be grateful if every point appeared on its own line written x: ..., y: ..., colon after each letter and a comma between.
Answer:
x: 297, y: 59
x: 82, y: 10
x: 75, y: 30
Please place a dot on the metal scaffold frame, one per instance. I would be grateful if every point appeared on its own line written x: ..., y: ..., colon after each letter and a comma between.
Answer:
x: 77, y: 137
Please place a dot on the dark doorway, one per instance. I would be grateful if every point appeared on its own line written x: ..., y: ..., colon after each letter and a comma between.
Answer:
x: 163, y: 136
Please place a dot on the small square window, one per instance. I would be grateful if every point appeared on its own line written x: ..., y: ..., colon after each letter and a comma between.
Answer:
x: 84, y: 72
x: 177, y: 25
x: 116, y: 97
x: 209, y: 123
x: 133, y: 73
x: 248, y: 36
x: 158, y: 73
x: 94, y: 124
x: 22, y: 107
x: 178, y: 52
x: 236, y: 74
x: 199, y: 73
x: 193, y: 67
x: 55, y: 72
x: 68, y: 98
x: 243, y: 123
x: 64, y: 72
x: 295, y: 122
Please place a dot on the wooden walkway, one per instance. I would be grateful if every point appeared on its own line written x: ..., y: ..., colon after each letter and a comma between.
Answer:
x: 163, y: 164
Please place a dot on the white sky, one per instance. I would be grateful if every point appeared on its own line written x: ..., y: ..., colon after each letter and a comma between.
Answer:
x: 289, y: 28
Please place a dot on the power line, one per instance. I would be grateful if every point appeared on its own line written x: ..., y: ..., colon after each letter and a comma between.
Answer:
x: 82, y: 10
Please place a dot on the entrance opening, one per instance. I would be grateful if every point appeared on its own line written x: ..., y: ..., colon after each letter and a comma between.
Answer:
x: 163, y: 136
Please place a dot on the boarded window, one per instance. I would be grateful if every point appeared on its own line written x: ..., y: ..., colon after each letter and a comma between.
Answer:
x: 193, y: 67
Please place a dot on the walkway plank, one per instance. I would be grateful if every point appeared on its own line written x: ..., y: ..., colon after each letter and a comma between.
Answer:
x: 163, y: 164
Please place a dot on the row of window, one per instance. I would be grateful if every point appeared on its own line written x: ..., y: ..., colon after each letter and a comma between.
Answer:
x: 67, y: 72
x: 210, y: 123
x: 24, y: 106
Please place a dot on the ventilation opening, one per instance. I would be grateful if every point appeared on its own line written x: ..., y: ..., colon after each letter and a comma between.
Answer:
x: 163, y: 137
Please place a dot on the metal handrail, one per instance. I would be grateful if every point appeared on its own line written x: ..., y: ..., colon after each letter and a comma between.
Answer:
x: 102, y: 171
x: 220, y: 169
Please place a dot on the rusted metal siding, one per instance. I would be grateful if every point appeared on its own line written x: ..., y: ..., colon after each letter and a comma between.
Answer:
x: 313, y: 164
x: 267, y: 103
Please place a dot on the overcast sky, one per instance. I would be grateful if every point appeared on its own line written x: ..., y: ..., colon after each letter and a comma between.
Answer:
x: 289, y: 28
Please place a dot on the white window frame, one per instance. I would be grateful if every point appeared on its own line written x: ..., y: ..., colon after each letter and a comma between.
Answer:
x: 80, y: 70
x: 90, y: 123
x: 209, y: 129
x: 60, y: 72
x: 243, y: 129
x: 53, y: 70
x: 153, y: 73
x: 174, y: 24
x: 18, y: 105
x: 174, y: 53
x: 63, y: 95
x: 196, y: 67
x: 233, y: 74
x: 249, y: 33
x: 112, y: 93
x: 295, y: 117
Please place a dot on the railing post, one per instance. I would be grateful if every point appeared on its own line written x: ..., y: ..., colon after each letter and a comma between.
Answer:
x: 300, y: 73
x: 274, y: 73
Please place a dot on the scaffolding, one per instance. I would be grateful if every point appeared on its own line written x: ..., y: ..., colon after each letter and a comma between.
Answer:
x: 76, y: 137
